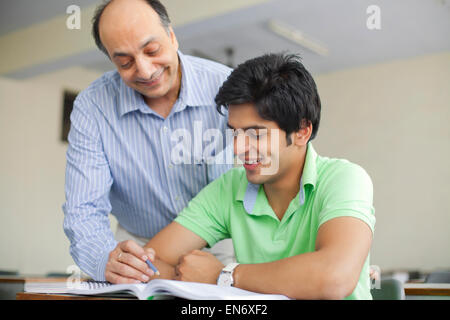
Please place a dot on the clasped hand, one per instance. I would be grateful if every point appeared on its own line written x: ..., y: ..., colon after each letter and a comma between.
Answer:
x: 126, y: 264
x: 198, y: 266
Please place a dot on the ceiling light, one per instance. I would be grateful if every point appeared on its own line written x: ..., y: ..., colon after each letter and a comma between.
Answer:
x: 297, y: 37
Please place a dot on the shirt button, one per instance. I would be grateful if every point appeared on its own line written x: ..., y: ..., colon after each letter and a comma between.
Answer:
x: 170, y: 166
x: 177, y: 198
x: 165, y: 129
x: 198, y: 160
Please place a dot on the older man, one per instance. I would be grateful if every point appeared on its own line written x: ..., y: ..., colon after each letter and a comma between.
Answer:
x: 120, y: 142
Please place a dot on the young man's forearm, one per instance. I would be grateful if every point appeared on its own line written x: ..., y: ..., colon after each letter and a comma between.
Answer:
x: 305, y: 276
x: 166, y: 270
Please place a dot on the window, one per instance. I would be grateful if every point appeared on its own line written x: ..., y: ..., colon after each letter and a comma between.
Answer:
x: 69, y: 98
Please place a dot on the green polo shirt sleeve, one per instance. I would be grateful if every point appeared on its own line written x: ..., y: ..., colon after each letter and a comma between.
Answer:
x: 347, y: 191
x: 206, y: 214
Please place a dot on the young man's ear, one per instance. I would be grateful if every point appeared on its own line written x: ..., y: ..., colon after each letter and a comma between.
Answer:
x: 301, y: 137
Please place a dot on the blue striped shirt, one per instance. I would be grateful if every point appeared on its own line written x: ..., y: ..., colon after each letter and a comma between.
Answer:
x: 119, y: 160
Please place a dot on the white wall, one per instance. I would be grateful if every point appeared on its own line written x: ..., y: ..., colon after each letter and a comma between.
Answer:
x: 32, y: 168
x: 393, y: 119
x: 390, y: 118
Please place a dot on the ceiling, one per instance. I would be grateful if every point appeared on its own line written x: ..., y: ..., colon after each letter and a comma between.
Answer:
x: 408, y: 28
x: 18, y: 14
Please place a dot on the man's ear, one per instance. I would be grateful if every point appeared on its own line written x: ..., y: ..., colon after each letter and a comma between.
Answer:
x: 301, y: 137
x: 173, y: 38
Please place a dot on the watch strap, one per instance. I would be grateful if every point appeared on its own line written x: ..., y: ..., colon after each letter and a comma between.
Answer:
x: 226, y: 275
x: 230, y: 267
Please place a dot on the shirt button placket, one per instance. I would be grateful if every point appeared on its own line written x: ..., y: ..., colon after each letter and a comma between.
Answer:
x: 165, y: 141
x: 166, y: 151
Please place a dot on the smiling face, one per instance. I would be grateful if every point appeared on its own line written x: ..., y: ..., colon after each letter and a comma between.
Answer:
x: 144, y: 52
x: 262, y: 146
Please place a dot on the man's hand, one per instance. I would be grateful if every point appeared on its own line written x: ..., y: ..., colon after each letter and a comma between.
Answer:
x: 126, y: 263
x: 198, y: 266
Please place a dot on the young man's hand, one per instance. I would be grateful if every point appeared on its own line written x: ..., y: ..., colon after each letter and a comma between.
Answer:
x: 198, y: 266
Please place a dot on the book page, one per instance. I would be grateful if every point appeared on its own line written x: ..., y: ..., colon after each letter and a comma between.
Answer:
x: 181, y: 289
x: 84, y: 288
x: 202, y: 291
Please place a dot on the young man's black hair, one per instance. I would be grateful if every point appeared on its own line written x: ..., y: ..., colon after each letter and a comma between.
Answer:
x: 281, y: 89
x: 159, y: 8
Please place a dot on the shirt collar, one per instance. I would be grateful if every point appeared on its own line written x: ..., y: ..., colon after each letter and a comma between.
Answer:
x: 128, y: 99
x: 190, y: 92
x: 309, y: 175
x: 248, y: 192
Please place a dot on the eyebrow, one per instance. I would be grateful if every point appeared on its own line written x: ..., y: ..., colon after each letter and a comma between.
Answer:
x: 124, y: 54
x: 247, y: 128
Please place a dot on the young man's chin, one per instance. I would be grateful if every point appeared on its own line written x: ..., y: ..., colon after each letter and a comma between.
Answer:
x: 255, y: 176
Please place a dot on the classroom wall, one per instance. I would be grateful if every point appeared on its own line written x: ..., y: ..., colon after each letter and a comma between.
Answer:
x: 32, y: 169
x: 390, y: 118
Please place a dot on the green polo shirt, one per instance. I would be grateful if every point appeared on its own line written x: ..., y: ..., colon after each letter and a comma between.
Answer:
x: 231, y: 207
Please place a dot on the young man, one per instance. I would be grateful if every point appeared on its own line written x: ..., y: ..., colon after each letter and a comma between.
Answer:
x: 301, y: 224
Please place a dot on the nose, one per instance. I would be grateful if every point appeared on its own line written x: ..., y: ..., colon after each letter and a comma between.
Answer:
x: 243, y: 145
x: 144, y: 68
x: 239, y: 147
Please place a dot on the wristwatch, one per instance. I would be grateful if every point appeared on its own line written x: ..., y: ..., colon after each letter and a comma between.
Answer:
x: 226, y: 275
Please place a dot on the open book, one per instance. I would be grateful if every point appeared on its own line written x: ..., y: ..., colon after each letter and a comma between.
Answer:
x: 158, y: 288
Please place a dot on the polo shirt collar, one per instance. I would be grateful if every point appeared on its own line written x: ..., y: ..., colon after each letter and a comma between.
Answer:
x: 130, y: 100
x: 248, y: 192
x: 309, y: 175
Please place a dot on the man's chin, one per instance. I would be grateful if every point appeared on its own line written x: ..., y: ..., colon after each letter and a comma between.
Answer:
x: 151, y: 93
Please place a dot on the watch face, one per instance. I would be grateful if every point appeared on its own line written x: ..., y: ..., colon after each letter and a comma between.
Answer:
x: 226, y: 279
